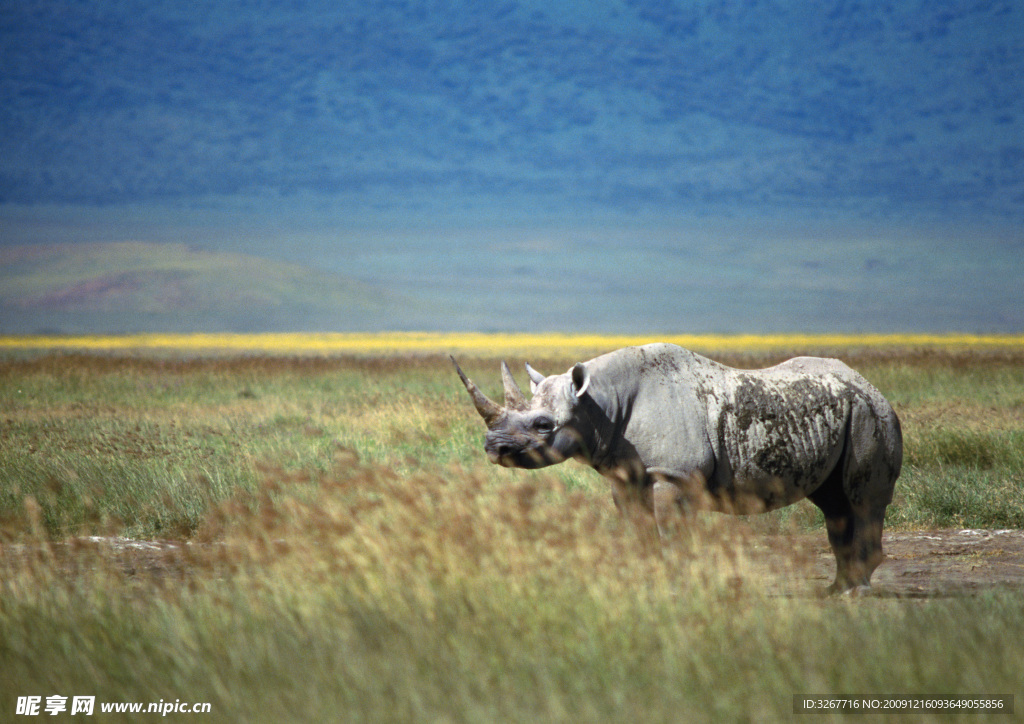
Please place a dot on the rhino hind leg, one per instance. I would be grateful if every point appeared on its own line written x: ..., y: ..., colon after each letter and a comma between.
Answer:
x: 857, y: 492
x: 854, y: 534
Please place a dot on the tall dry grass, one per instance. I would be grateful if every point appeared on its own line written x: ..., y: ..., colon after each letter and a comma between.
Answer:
x: 359, y: 594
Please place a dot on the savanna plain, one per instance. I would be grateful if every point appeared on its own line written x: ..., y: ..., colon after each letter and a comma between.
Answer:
x: 319, y: 538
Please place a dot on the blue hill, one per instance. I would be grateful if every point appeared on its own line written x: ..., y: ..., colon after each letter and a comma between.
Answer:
x: 519, y: 108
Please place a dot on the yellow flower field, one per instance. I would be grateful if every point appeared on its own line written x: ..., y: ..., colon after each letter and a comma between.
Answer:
x: 486, y: 344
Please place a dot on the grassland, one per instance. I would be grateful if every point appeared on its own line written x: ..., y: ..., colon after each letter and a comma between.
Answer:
x: 334, y: 549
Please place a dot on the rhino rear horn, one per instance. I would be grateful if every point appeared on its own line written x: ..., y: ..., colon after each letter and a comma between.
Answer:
x: 489, y: 410
x: 514, y: 399
x: 535, y: 377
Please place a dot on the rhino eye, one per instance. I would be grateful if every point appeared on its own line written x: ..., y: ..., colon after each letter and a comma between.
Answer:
x: 544, y: 425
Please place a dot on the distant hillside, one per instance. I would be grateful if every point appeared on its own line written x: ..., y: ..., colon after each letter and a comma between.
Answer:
x: 139, y: 286
x: 635, y: 105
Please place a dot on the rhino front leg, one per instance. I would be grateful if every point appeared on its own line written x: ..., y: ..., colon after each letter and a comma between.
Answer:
x: 669, y: 510
x: 675, y: 495
x: 631, y: 494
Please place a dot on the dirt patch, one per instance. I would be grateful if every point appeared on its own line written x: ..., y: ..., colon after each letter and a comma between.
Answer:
x: 144, y: 561
x: 952, y: 562
x: 918, y: 564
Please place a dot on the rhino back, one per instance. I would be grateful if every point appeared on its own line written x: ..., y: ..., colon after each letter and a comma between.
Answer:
x: 781, y: 431
x: 773, y: 434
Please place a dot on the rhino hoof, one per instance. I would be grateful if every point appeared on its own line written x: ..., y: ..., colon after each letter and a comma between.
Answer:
x: 863, y: 589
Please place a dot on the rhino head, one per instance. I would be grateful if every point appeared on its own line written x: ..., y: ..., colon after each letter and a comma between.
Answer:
x: 544, y: 430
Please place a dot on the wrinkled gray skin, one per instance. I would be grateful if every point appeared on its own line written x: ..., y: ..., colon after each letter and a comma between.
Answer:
x: 674, y: 431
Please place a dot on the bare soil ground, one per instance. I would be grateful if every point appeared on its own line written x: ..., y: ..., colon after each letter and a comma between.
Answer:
x: 918, y: 564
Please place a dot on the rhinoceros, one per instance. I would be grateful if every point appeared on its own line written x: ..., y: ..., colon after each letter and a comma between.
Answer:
x: 674, y: 432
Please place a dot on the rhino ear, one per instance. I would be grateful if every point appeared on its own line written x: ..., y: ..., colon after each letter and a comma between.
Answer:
x: 580, y: 379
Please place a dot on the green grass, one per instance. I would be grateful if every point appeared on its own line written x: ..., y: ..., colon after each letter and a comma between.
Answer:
x: 351, y: 557
x: 146, y: 446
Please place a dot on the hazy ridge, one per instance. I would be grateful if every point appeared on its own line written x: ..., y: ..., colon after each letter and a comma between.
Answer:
x: 139, y: 286
x: 564, y: 282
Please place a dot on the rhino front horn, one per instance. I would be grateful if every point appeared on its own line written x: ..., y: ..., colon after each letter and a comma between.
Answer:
x: 488, y: 409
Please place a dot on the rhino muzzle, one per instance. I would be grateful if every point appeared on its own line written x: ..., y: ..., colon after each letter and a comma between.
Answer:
x: 518, y: 451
